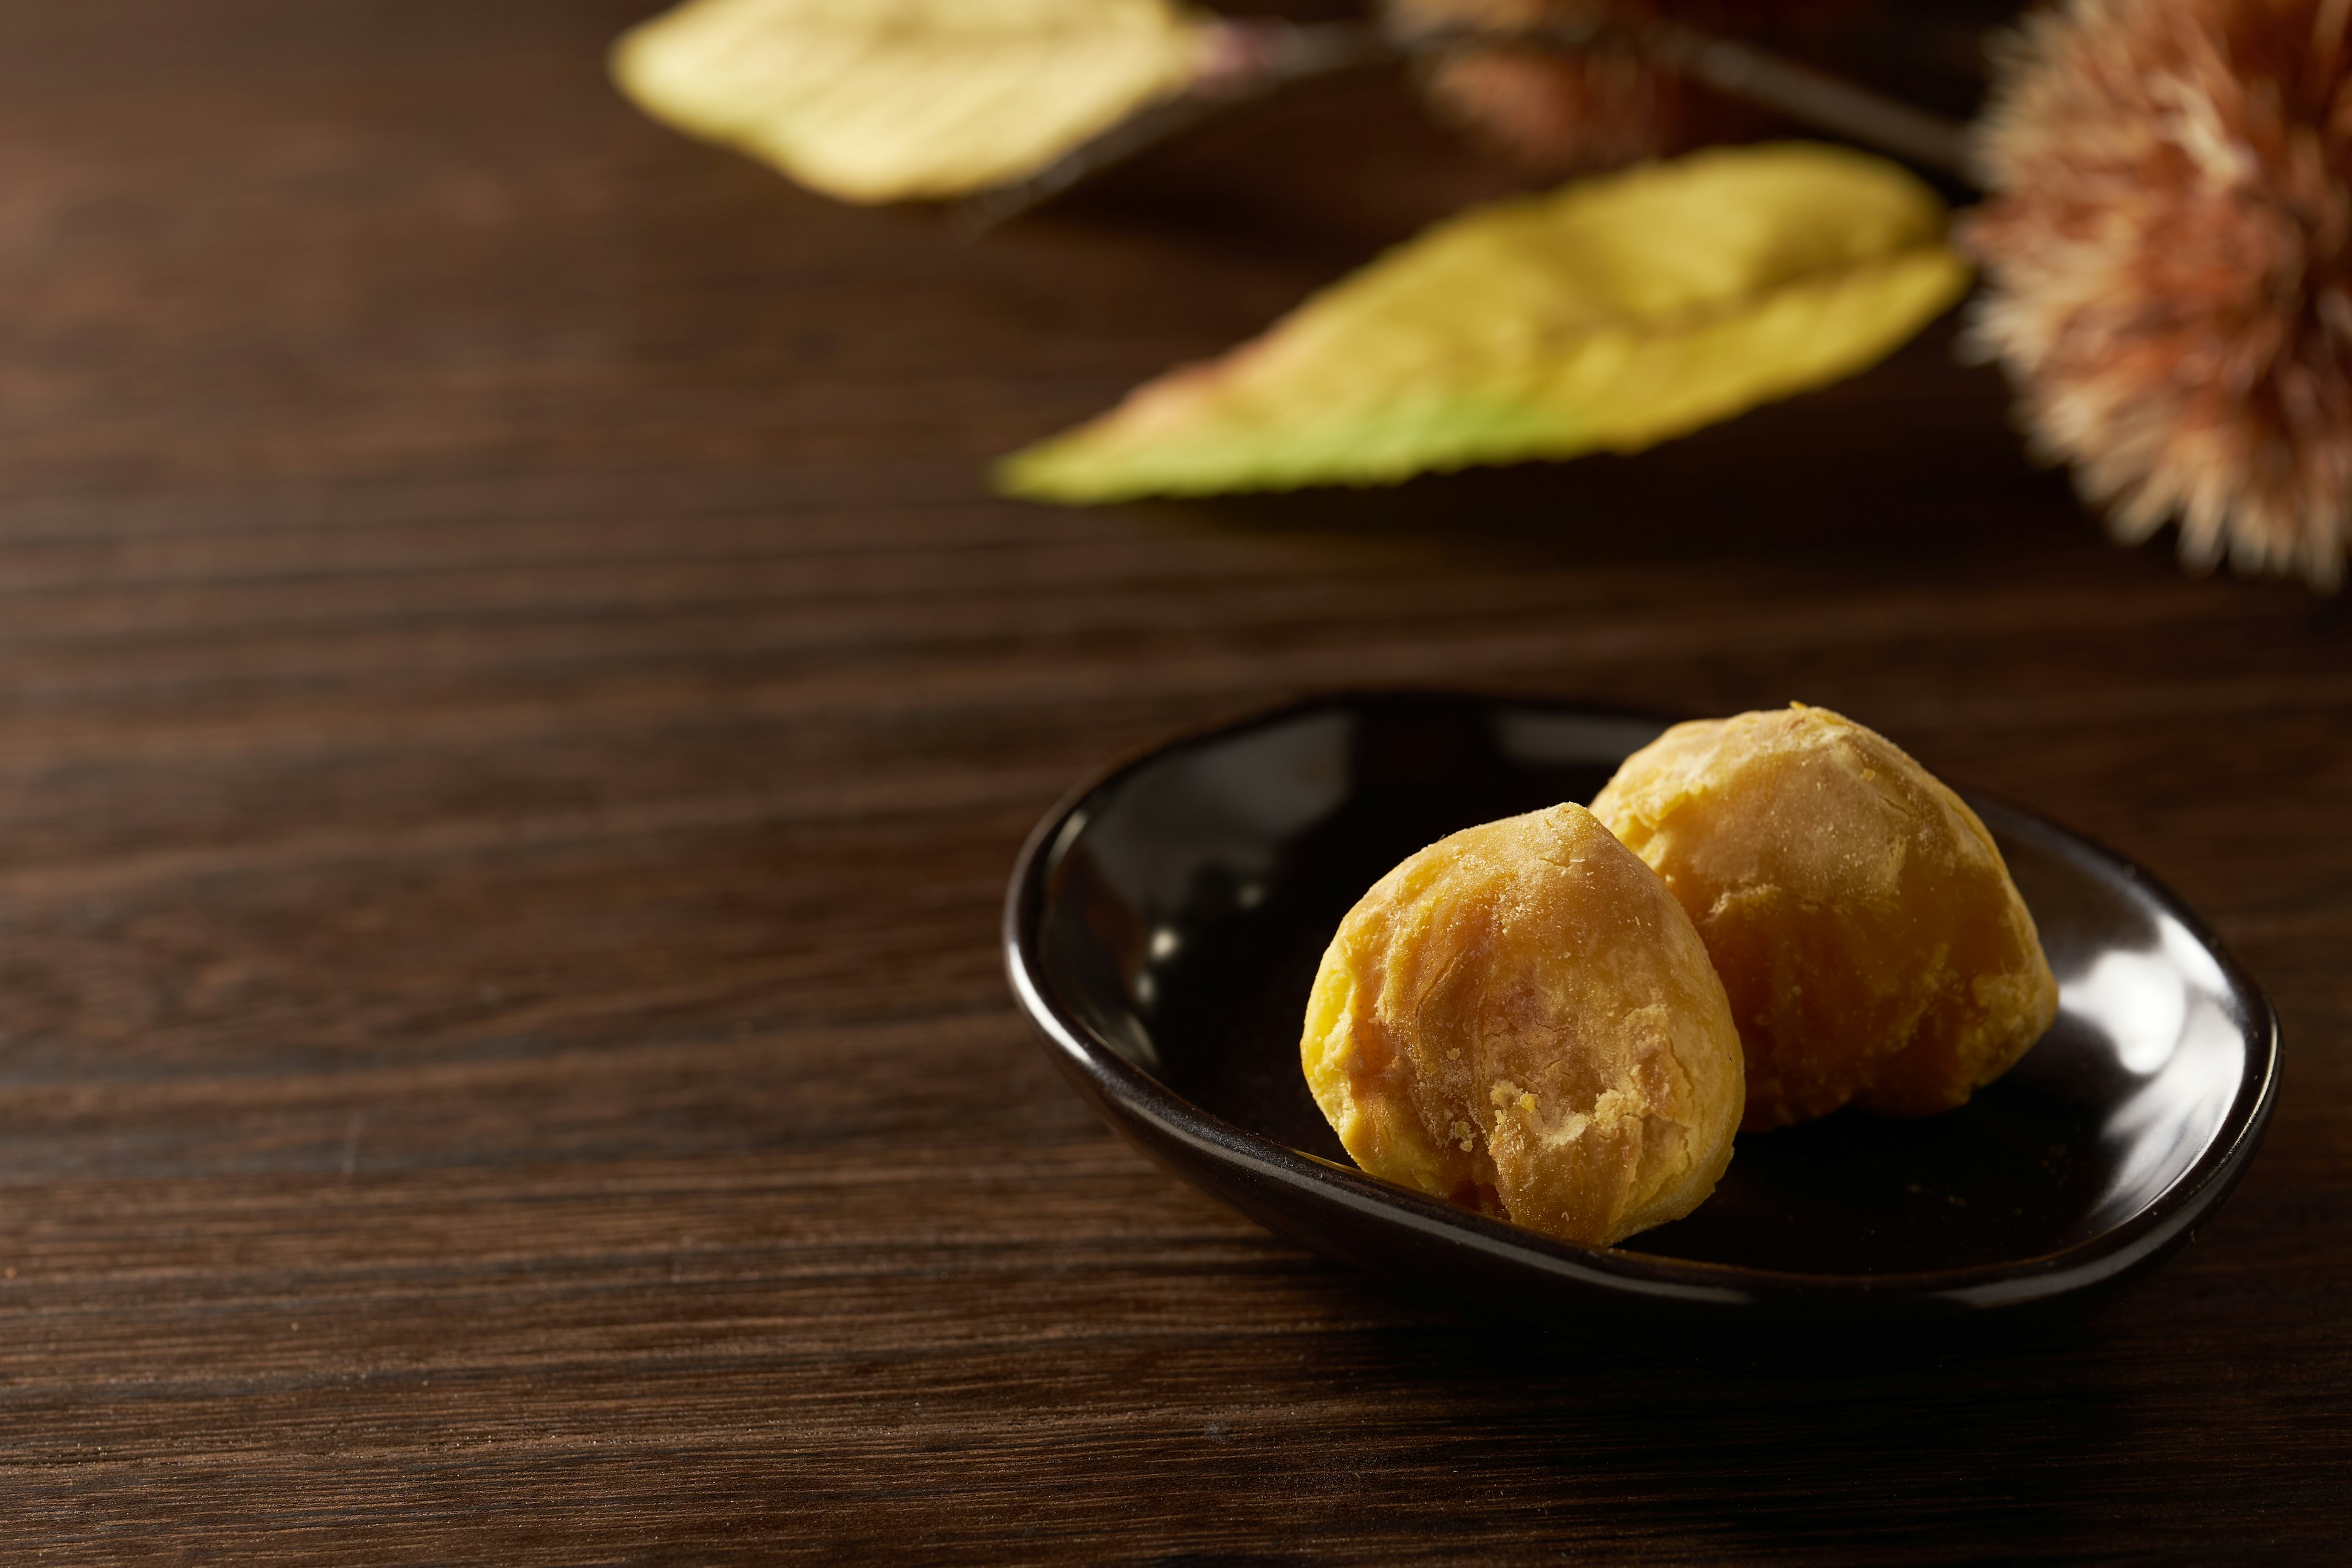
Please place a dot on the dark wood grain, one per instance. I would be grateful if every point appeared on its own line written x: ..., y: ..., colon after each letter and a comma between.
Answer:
x: 516, y: 707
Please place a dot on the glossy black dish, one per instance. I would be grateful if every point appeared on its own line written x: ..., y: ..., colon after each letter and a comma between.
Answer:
x: 1164, y: 923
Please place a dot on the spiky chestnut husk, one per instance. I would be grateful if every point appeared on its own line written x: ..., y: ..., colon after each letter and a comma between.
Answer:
x: 1571, y: 113
x: 2169, y: 251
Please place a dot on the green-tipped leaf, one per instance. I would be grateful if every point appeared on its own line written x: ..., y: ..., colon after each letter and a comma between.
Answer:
x: 1609, y: 315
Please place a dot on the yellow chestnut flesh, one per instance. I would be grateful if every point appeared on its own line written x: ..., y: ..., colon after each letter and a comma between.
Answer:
x: 1874, y: 947
x: 1521, y: 1020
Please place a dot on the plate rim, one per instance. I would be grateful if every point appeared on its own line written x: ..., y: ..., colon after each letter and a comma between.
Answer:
x: 1123, y: 1091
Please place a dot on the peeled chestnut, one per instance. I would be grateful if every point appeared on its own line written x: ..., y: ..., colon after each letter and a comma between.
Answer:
x: 1521, y: 1020
x: 1874, y: 948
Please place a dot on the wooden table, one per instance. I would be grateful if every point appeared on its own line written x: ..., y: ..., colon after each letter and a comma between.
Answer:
x: 516, y: 707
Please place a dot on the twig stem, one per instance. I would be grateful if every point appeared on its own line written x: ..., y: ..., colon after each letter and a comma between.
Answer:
x: 1803, y: 94
x: 1257, y: 60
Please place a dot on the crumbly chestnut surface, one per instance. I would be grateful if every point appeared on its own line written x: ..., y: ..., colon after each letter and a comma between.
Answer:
x: 1521, y: 1020
x: 1875, y: 949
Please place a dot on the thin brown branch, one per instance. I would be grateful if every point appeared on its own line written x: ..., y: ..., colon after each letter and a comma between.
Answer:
x: 1809, y: 97
x: 1253, y: 60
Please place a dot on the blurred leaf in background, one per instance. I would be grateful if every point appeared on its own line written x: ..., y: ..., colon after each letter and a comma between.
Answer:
x: 1611, y: 314
x: 879, y: 101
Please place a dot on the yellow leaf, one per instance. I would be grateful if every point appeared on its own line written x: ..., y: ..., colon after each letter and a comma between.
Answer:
x: 878, y: 100
x: 1609, y: 315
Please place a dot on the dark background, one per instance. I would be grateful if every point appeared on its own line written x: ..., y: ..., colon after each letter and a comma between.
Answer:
x: 516, y: 707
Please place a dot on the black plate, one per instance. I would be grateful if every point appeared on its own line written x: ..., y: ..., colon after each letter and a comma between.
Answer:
x: 1163, y: 926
